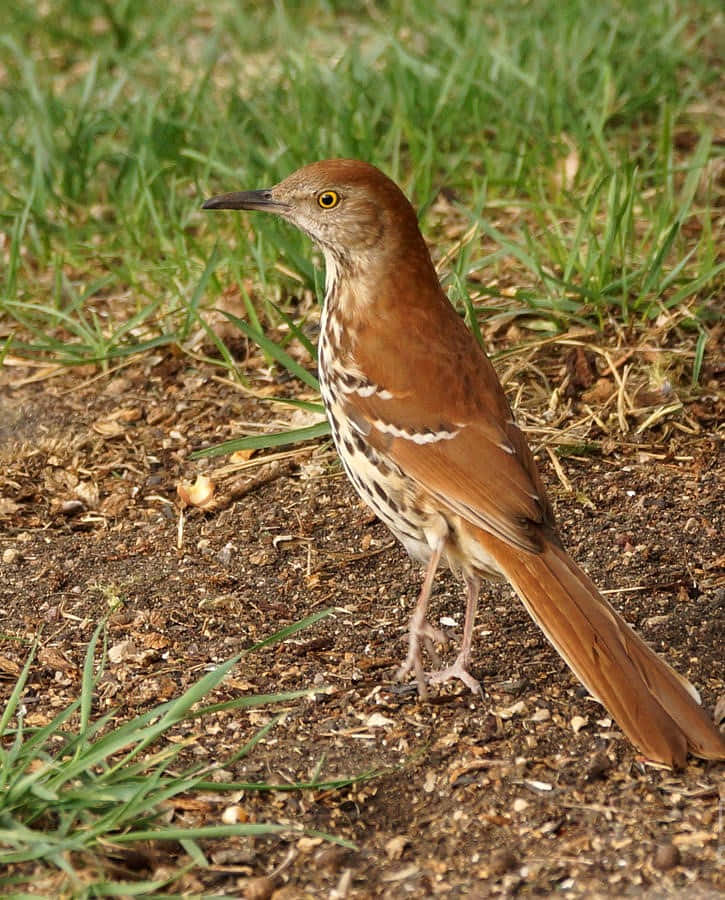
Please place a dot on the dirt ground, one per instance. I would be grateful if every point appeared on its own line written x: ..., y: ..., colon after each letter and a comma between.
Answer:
x: 531, y: 791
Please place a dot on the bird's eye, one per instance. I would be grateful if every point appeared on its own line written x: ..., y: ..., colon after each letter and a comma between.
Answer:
x: 328, y: 199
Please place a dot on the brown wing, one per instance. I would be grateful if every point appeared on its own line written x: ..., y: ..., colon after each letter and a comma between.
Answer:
x: 441, y: 415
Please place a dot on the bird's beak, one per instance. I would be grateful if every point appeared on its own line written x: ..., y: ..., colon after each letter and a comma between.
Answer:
x: 263, y: 200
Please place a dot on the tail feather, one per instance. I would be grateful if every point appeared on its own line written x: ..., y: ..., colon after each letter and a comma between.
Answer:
x: 656, y: 707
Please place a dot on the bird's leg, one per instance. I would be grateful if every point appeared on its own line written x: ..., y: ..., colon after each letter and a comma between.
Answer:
x: 459, y: 669
x: 420, y: 629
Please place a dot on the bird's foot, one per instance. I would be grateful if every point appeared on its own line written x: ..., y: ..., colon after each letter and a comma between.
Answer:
x: 430, y: 635
x: 458, y: 670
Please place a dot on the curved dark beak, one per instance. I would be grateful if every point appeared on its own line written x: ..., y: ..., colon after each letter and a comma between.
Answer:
x: 246, y: 200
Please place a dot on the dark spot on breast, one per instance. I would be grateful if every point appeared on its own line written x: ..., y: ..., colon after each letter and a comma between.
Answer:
x: 361, y: 444
x: 349, y: 446
x: 380, y: 491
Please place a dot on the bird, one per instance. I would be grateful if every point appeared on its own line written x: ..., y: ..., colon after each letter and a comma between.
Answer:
x: 427, y: 437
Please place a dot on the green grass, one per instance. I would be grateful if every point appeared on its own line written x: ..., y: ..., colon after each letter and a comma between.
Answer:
x: 119, y: 119
x: 79, y: 788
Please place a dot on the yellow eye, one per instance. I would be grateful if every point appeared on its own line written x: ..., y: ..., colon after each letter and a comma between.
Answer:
x: 328, y: 199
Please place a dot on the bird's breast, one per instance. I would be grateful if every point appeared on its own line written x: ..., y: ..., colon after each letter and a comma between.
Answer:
x: 393, y: 496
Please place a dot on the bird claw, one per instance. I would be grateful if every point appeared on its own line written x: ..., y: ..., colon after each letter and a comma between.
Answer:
x: 458, y: 670
x: 414, y: 663
x: 430, y: 635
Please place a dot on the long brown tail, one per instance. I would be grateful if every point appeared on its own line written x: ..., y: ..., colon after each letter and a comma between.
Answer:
x: 657, y: 709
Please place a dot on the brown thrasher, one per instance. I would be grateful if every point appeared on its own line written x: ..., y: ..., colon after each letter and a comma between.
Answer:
x: 427, y: 437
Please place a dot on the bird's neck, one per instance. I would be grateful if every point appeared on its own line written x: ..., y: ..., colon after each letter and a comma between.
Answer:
x: 386, y: 283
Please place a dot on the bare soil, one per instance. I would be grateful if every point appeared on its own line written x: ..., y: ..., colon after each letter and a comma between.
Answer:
x: 532, y: 790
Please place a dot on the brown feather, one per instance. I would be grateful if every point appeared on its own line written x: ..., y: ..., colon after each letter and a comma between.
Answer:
x: 653, y: 705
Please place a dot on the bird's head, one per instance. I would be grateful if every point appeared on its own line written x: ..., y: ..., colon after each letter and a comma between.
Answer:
x: 350, y: 208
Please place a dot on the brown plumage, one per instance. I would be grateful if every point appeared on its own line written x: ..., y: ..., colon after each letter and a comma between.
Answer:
x: 427, y: 437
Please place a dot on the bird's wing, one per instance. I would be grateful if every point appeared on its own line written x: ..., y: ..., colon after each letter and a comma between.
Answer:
x: 473, y: 470
x: 445, y: 421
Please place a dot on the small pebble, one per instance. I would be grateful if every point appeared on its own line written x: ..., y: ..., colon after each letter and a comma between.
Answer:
x: 288, y: 892
x: 666, y: 856
x: 11, y: 556
x: 117, y: 387
x: 332, y: 859
x: 652, y: 621
x: 260, y: 888
x: 599, y: 765
x: 224, y: 556
x: 233, y: 814
x: 222, y: 775
x: 72, y: 508
x: 502, y: 860
x: 261, y: 558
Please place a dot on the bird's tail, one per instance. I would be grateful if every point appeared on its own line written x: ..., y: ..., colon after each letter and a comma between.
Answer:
x: 657, y: 709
